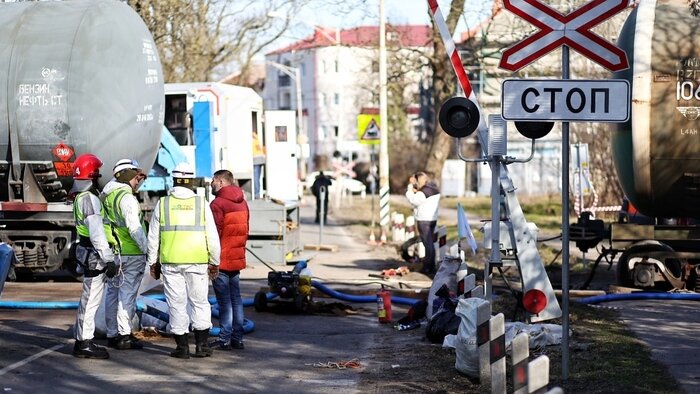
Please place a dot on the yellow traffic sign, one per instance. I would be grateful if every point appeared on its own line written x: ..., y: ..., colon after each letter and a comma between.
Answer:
x: 368, y: 129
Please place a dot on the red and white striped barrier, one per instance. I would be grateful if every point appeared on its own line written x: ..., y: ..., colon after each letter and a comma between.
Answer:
x: 398, y: 228
x: 410, y: 227
x: 440, y: 244
x: 455, y: 60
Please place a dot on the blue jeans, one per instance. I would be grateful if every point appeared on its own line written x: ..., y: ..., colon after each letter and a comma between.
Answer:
x: 227, y: 287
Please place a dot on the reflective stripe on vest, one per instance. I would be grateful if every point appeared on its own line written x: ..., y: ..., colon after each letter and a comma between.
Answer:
x: 80, y: 225
x: 183, y: 237
x: 128, y: 247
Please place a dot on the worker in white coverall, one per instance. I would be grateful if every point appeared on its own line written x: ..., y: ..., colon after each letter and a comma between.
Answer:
x: 124, y: 214
x: 183, y: 246
x: 93, y: 253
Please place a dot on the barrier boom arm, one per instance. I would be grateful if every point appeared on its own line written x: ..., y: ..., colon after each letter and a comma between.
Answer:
x: 532, y: 272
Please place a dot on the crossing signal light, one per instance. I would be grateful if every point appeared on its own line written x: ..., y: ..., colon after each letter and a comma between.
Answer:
x: 534, y: 130
x: 459, y: 117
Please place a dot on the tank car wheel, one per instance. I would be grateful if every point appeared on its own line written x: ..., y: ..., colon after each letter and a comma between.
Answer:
x: 624, y: 275
x: 260, y: 301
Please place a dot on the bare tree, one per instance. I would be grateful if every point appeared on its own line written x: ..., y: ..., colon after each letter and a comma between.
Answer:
x: 202, y: 39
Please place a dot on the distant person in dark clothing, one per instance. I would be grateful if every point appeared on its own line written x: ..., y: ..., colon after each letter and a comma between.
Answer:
x: 424, y: 196
x: 322, y: 181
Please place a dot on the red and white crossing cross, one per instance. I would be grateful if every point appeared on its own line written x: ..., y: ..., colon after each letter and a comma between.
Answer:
x: 572, y: 29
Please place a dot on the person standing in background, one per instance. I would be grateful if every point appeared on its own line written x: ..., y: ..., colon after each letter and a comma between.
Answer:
x: 258, y: 163
x: 424, y: 196
x: 320, y: 190
x: 231, y: 216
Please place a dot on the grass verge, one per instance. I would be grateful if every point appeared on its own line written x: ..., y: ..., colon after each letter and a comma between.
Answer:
x: 605, y: 356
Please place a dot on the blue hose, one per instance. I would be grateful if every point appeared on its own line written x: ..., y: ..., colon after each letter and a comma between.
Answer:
x: 355, y: 298
x: 212, y: 300
x: 639, y: 296
x: 38, y: 304
x: 248, y: 325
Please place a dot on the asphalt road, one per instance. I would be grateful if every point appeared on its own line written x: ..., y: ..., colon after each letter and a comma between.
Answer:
x: 283, y: 354
x: 668, y: 328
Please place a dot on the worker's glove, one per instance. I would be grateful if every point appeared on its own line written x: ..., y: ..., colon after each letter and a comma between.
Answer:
x: 155, y: 271
x: 111, y: 269
x: 213, y: 271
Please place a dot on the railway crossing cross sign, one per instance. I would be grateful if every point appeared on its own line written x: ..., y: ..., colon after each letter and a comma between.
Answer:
x: 572, y: 29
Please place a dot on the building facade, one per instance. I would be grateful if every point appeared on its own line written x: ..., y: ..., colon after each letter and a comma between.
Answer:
x: 338, y: 79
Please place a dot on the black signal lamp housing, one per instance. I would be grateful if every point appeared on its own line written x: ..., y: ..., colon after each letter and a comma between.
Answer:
x: 459, y: 117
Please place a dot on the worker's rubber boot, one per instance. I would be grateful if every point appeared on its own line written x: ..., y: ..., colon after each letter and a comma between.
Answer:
x: 202, y: 348
x: 183, y: 347
x: 87, y: 349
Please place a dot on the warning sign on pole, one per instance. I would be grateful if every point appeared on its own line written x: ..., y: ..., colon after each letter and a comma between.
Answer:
x: 368, y: 129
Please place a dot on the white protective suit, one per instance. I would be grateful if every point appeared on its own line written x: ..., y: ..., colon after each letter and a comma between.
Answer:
x: 120, y: 301
x: 96, y: 258
x: 186, y: 283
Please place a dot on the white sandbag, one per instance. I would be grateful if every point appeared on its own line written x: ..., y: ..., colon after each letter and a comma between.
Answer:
x: 539, y: 335
x: 450, y: 341
x: 467, y: 351
x: 446, y: 274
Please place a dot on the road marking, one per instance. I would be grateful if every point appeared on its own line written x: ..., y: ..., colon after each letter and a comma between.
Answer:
x: 30, y: 359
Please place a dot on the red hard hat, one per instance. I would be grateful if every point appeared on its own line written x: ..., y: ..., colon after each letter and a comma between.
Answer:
x: 86, y: 167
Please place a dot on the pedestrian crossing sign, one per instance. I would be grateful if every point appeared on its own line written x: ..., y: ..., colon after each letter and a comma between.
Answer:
x: 368, y: 129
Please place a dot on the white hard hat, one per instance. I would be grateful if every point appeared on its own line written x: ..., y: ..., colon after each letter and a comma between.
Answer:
x: 183, y: 170
x: 125, y: 164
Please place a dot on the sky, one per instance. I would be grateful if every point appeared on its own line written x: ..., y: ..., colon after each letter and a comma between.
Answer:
x: 397, y: 11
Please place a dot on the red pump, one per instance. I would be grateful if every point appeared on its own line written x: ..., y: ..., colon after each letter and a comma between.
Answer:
x: 384, y: 306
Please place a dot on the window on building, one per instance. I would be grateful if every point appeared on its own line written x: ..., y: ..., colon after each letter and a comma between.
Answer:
x: 286, y: 101
x: 324, y: 66
x: 324, y: 101
x: 283, y: 80
x: 337, y: 66
x: 303, y: 69
x: 375, y: 66
x: 336, y: 98
x: 336, y: 131
x: 322, y: 133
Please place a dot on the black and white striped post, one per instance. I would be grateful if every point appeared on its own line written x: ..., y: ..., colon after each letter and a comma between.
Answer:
x: 497, y: 348
x: 384, y: 210
x: 483, y: 337
x: 529, y: 376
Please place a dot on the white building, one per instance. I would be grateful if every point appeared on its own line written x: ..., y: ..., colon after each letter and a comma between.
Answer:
x: 339, y: 79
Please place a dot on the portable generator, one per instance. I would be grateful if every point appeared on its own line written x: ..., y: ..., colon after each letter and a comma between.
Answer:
x: 287, y: 286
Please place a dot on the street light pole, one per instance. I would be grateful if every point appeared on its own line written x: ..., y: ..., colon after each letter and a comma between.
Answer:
x: 384, y: 129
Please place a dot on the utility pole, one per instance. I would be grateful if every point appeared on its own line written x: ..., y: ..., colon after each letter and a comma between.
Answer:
x: 384, y: 127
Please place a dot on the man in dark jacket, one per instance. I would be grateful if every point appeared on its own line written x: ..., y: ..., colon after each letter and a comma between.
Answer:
x: 231, y: 217
x: 322, y: 182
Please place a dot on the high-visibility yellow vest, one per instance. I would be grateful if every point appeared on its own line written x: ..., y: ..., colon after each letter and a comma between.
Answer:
x: 127, y: 245
x: 80, y: 225
x: 183, y: 237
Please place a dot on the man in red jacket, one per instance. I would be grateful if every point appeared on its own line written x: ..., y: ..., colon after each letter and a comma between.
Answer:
x: 231, y: 217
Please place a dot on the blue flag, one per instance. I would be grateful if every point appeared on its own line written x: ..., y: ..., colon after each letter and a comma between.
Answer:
x: 463, y: 228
